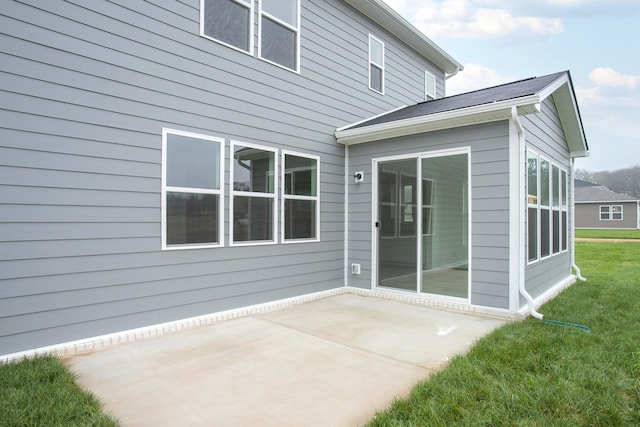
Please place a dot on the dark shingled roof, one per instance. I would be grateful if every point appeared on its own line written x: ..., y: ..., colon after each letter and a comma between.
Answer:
x: 504, y: 92
x: 599, y: 193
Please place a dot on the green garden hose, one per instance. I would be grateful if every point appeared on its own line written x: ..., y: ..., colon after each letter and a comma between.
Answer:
x: 568, y: 325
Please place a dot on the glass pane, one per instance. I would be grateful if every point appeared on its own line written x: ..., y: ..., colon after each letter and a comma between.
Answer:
x: 445, y: 253
x: 300, y: 175
x: 564, y: 231
x: 252, y: 218
x: 430, y: 85
x: 300, y: 219
x: 285, y: 10
x: 604, y: 212
x: 545, y: 238
x: 555, y: 179
x: 532, y: 178
x: 564, y: 196
x: 532, y: 223
x: 397, y: 238
x: 253, y: 170
x: 376, y: 52
x: 616, y: 212
x: 544, y: 182
x: 426, y: 221
x: 278, y: 44
x: 227, y: 21
x: 192, y: 218
x: 376, y: 78
x: 192, y: 162
x: 556, y: 231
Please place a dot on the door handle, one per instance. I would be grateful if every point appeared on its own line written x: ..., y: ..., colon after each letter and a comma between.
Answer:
x: 378, y: 224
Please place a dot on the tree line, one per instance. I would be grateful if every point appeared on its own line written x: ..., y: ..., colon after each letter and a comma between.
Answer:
x: 623, y: 181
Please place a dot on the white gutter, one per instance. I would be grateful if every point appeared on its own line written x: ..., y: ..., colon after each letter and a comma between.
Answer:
x: 346, y: 215
x: 521, y: 233
x: 483, y: 113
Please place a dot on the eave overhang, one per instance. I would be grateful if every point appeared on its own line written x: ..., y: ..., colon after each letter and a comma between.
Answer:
x: 560, y: 89
x: 484, y: 113
x: 379, y: 12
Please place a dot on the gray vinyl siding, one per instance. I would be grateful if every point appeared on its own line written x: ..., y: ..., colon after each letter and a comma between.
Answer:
x: 544, y: 134
x: 588, y: 215
x: 87, y: 88
x: 489, y: 205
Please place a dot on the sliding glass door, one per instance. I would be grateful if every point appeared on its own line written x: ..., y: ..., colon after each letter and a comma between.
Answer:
x: 422, y: 224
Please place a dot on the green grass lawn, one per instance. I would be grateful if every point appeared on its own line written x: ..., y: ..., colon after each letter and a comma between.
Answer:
x: 524, y: 374
x: 607, y: 234
x: 41, y: 392
x: 533, y: 374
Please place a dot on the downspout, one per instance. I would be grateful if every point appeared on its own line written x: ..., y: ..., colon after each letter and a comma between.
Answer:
x: 573, y: 223
x: 521, y: 208
x: 346, y: 215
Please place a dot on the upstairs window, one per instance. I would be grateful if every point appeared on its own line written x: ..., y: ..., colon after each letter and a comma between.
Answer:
x: 376, y: 64
x: 429, y: 86
x: 280, y: 32
x: 229, y: 22
x: 192, y: 185
x: 301, y: 202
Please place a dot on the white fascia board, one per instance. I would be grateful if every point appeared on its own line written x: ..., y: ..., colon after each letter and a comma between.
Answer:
x: 447, y: 119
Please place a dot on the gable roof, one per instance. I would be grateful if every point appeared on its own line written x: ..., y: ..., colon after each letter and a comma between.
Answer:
x: 598, y: 194
x: 480, y: 106
x: 378, y: 11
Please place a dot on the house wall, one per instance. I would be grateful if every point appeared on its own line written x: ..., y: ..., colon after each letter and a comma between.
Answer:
x: 588, y: 216
x: 489, y: 205
x: 87, y: 88
x: 544, y: 134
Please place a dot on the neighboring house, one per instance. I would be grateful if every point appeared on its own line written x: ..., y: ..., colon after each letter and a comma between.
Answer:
x: 598, y: 207
x: 161, y: 161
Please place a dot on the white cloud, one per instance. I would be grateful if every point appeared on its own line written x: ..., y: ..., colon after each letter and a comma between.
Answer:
x: 472, y: 19
x: 473, y: 77
x: 607, y: 76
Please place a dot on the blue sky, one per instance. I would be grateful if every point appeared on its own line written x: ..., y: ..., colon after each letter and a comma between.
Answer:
x: 598, y: 41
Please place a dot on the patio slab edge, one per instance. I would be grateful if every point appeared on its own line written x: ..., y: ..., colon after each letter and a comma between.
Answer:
x: 101, y: 342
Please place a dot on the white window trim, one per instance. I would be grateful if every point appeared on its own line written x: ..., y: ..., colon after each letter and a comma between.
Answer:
x: 610, y: 214
x: 429, y: 96
x: 381, y: 66
x: 273, y: 196
x: 285, y: 197
x: 262, y: 13
x: 165, y: 188
x: 538, y: 206
x: 251, y: 27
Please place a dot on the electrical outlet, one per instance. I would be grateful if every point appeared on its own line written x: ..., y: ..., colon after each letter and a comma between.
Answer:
x: 355, y: 268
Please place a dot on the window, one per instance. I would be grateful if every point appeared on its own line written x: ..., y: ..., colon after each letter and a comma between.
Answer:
x: 229, y: 22
x: 376, y: 64
x: 611, y: 212
x: 429, y: 86
x: 300, y: 199
x: 253, y: 195
x: 428, y: 208
x: 280, y: 32
x: 547, y: 208
x: 192, y: 197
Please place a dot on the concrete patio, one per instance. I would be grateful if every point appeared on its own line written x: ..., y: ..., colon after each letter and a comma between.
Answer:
x: 330, y: 362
